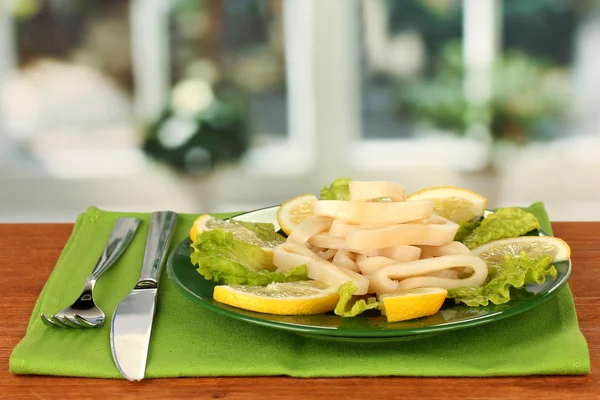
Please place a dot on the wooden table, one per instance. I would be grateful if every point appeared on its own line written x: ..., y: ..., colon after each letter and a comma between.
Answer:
x: 28, y: 253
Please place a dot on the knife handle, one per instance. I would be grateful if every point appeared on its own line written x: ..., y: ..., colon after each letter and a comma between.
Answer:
x: 162, y: 224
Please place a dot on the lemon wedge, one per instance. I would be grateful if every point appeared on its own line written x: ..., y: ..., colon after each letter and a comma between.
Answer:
x: 289, y: 298
x: 207, y: 222
x: 534, y: 246
x: 295, y: 210
x: 201, y: 224
x: 453, y: 203
x: 414, y: 303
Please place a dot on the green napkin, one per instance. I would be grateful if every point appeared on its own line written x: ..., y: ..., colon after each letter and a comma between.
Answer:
x: 188, y: 340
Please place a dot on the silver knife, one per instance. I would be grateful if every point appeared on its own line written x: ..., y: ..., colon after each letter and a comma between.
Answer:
x: 132, y: 320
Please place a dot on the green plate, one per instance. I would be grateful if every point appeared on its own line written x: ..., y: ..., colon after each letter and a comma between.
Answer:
x: 370, y: 325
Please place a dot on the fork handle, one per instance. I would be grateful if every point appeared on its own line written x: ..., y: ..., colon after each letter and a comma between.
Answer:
x: 120, y: 237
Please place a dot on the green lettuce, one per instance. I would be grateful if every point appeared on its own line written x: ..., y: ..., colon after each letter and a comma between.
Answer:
x: 263, y: 230
x: 505, y: 223
x: 514, y: 272
x: 343, y: 308
x: 465, y: 228
x: 338, y: 190
x: 221, y: 257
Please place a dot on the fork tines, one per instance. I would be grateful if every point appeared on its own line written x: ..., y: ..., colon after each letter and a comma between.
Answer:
x: 77, y: 321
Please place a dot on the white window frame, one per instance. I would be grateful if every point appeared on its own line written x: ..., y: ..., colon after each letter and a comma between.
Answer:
x: 150, y: 54
x: 293, y: 155
x: 438, y: 149
x: 323, y: 51
x: 323, y: 45
x: 7, y: 65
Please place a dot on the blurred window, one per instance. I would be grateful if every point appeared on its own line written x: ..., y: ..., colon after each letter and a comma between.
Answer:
x: 204, y: 80
x: 238, y: 41
x: 475, y: 72
x: 365, y: 84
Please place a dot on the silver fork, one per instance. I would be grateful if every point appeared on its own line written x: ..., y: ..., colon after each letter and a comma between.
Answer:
x: 84, y: 313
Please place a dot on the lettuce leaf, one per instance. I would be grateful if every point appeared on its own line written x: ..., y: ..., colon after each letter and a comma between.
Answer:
x: 514, y: 272
x: 505, y: 223
x: 344, y: 310
x: 263, y: 230
x: 338, y: 190
x: 222, y: 258
x: 465, y: 228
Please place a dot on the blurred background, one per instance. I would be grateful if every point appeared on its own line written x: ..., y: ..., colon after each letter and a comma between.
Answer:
x: 226, y: 105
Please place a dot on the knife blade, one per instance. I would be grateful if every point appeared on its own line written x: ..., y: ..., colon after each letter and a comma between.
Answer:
x: 131, y: 324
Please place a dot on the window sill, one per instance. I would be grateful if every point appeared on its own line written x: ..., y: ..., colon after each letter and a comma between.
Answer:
x: 459, y: 154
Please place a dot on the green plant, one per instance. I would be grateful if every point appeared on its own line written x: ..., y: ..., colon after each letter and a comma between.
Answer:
x: 193, y: 142
x: 529, y: 97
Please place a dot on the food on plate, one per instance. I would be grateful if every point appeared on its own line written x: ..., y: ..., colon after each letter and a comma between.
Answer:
x: 361, y: 212
x: 414, y: 303
x: 290, y: 254
x: 255, y: 233
x: 350, y: 305
x: 374, y: 190
x: 220, y: 256
x: 454, y: 203
x: 293, y: 298
x: 442, y: 271
x: 295, y: 210
x: 375, y: 248
x: 513, y: 272
x: 504, y: 223
x: 338, y: 190
x: 512, y: 263
x: 535, y: 246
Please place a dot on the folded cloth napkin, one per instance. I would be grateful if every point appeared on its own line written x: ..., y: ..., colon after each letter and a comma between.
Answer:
x: 189, y: 340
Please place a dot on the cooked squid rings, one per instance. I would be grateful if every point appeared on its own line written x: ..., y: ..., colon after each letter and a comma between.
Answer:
x: 413, y: 274
x: 381, y: 243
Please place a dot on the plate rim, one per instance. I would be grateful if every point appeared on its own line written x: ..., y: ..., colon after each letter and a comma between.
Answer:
x: 371, y: 334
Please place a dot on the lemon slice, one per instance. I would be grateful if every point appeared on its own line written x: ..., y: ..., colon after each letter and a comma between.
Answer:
x: 204, y: 222
x: 453, y: 203
x: 207, y: 222
x: 289, y: 298
x: 414, y: 303
x: 534, y: 246
x: 294, y: 211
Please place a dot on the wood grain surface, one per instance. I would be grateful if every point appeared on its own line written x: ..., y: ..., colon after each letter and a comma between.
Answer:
x: 28, y: 253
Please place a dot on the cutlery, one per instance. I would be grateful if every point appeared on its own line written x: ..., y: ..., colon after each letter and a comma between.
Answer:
x: 84, y: 313
x: 133, y: 317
